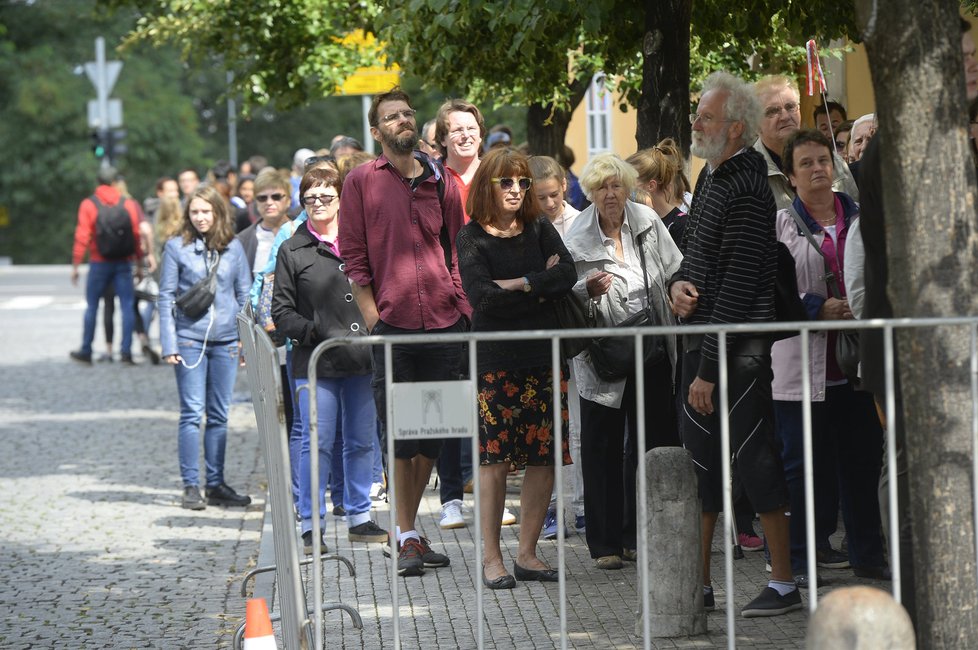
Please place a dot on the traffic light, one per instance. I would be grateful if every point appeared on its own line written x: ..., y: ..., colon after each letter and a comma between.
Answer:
x: 115, y: 145
x: 99, y: 143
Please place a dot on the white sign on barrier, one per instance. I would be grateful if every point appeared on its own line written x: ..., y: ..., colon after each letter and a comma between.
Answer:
x: 434, y: 409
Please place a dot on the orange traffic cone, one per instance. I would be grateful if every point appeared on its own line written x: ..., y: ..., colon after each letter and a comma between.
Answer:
x: 258, y: 626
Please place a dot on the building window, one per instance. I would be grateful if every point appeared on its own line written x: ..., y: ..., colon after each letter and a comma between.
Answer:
x: 598, y: 103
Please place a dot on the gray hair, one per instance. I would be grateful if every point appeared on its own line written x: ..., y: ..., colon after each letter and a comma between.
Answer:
x: 602, y: 167
x: 868, y: 117
x: 741, y: 104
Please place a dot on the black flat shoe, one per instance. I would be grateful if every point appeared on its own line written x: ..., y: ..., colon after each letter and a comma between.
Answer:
x: 538, y: 575
x: 502, y: 582
x: 222, y: 495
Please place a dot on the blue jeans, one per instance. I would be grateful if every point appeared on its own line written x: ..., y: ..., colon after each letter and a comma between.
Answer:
x: 205, y: 389
x: 100, y: 276
x: 351, y: 399
x: 847, y: 450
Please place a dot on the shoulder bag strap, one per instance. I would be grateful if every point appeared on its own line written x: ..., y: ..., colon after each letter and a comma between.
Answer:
x: 829, y: 276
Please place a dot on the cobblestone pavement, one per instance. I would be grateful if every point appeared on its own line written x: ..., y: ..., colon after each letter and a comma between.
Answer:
x: 94, y: 548
x: 96, y: 552
x: 438, y: 609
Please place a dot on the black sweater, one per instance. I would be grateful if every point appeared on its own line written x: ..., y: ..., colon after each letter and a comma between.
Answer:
x: 483, y: 258
x: 311, y: 302
x: 730, y: 250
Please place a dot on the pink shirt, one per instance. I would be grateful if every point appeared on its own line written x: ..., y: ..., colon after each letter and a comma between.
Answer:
x: 390, y: 236
x: 334, y: 246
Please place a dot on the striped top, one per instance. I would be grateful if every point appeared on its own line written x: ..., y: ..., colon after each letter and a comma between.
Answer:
x: 729, y: 249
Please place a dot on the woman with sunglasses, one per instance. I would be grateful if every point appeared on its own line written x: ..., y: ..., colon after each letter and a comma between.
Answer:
x: 513, y: 266
x: 312, y: 303
x: 204, y: 350
x: 611, y: 242
x: 272, y: 202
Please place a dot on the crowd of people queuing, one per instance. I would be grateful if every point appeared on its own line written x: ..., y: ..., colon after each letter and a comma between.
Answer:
x: 452, y: 228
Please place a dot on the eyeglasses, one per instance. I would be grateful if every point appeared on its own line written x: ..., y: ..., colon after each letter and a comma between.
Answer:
x: 774, y: 111
x: 506, y: 184
x: 464, y: 131
x: 393, y: 117
x: 325, y: 199
x: 706, y: 120
x: 262, y: 198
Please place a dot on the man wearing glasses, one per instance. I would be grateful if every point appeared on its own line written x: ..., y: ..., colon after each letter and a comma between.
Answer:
x: 459, y: 129
x: 727, y: 276
x: 781, y: 118
x: 399, y: 218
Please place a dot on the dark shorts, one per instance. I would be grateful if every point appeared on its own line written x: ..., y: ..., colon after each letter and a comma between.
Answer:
x: 754, y: 444
x: 416, y: 362
x: 516, y: 417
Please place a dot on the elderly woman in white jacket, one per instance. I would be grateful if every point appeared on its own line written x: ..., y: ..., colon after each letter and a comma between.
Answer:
x: 607, y: 242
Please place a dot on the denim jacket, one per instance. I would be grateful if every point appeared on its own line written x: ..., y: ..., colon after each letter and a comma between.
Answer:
x: 183, y: 265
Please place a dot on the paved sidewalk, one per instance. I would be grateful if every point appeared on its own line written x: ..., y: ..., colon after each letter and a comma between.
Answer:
x: 95, y: 551
x: 439, y: 610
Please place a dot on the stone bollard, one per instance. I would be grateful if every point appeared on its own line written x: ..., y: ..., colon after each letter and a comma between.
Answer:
x: 675, y: 568
x: 860, y: 618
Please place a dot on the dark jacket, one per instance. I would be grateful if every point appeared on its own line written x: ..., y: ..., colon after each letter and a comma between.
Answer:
x: 312, y: 302
x: 249, y: 241
x: 730, y: 250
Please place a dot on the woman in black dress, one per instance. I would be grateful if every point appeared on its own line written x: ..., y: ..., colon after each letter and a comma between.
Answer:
x: 513, y: 266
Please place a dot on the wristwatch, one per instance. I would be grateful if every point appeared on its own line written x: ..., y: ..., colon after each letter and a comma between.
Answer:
x: 526, y: 286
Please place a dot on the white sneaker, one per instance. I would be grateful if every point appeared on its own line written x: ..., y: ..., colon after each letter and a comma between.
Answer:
x: 508, y: 517
x: 451, y: 515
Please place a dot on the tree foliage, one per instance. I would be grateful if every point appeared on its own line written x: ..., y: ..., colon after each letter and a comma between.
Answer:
x: 43, y: 127
x: 517, y: 52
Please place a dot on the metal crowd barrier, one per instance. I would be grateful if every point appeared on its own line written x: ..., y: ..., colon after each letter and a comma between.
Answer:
x: 262, y: 366
x: 728, y: 530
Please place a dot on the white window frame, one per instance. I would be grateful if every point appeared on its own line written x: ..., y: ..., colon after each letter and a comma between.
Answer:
x: 598, y: 105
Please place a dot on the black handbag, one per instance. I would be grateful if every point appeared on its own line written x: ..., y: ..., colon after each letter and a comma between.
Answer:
x: 572, y: 314
x: 846, y: 341
x: 613, y: 357
x: 195, y: 301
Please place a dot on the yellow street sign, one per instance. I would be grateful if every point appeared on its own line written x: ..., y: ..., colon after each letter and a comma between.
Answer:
x: 4, y: 217
x: 371, y: 79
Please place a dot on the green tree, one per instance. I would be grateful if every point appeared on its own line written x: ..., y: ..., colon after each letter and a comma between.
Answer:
x: 537, y: 54
x: 43, y: 126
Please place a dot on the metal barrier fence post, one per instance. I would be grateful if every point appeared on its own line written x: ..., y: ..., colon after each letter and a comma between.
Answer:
x: 641, y: 503
x: 558, y: 448
x: 725, y: 464
x: 974, y: 430
x: 392, y: 490
x: 891, y: 461
x: 809, y: 469
x: 477, y: 496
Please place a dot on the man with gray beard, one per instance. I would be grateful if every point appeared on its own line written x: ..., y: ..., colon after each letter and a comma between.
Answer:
x: 400, y: 218
x: 727, y: 276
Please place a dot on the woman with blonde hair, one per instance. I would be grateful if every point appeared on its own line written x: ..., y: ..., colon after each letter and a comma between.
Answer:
x: 624, y: 257
x: 203, y: 347
x: 660, y: 175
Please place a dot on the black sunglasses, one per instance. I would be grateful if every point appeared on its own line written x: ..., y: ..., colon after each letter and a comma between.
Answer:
x: 274, y: 197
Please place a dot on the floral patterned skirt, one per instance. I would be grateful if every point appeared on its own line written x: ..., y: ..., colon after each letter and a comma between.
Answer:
x: 516, y: 417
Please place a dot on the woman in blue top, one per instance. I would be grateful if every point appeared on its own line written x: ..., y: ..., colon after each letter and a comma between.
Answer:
x: 204, y: 350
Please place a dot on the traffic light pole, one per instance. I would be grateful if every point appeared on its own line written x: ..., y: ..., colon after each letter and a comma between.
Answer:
x: 101, y: 116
